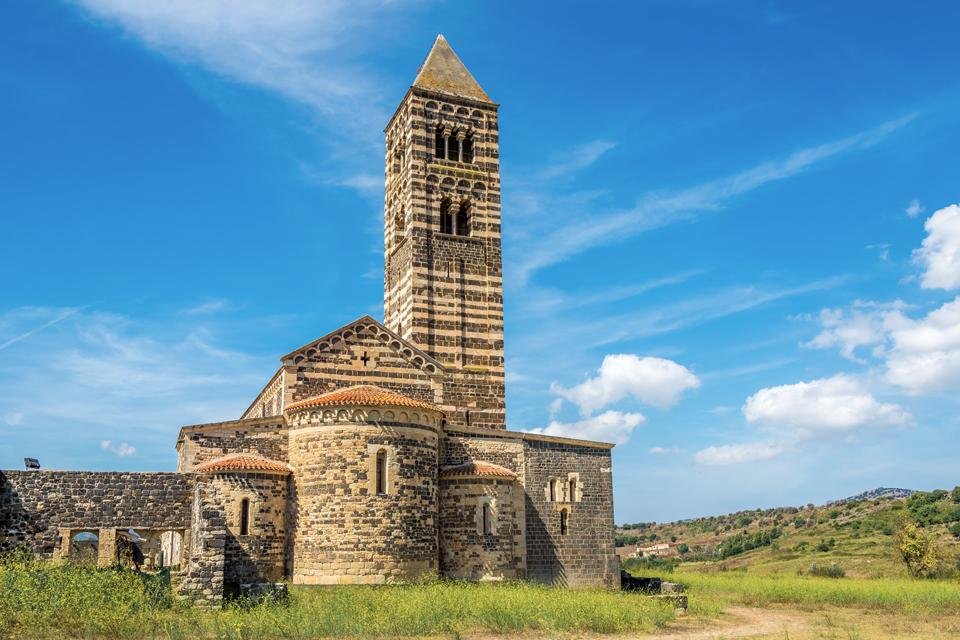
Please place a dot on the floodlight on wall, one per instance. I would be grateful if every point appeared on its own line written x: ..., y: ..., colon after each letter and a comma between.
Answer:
x: 31, y: 463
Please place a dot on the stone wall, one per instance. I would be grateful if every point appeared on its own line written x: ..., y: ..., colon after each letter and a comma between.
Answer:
x: 344, y: 531
x: 203, y: 578
x: 258, y: 555
x: 35, y: 505
x: 469, y: 552
x: 585, y: 555
x: 461, y: 445
x: 266, y: 437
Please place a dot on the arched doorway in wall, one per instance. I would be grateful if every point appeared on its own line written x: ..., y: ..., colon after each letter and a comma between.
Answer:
x: 84, y: 547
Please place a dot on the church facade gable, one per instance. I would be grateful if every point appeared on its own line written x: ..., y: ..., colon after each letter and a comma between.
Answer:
x: 362, y: 352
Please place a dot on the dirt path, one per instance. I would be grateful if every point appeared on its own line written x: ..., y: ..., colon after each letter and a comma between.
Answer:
x: 738, y: 622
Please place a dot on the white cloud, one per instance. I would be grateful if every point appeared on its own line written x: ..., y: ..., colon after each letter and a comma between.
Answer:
x: 12, y: 419
x: 914, y: 208
x: 609, y: 426
x: 940, y: 253
x: 864, y: 324
x: 739, y: 453
x: 662, y: 451
x: 828, y: 405
x: 654, y: 381
x: 123, y: 449
x: 925, y: 354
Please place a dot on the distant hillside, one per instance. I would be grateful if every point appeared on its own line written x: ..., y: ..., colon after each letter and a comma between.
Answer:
x: 880, y: 493
x: 858, y: 533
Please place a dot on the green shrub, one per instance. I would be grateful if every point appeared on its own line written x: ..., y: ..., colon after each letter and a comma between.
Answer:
x: 955, y: 494
x: 832, y: 570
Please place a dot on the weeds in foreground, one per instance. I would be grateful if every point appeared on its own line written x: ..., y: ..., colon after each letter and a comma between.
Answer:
x: 46, y: 600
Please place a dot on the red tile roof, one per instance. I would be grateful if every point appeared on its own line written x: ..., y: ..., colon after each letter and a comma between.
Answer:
x: 477, y: 468
x: 242, y: 462
x: 363, y: 395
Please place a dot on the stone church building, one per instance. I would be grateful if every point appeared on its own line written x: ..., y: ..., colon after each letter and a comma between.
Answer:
x: 379, y: 451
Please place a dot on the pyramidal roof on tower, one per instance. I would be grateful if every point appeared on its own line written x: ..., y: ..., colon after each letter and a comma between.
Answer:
x: 443, y: 72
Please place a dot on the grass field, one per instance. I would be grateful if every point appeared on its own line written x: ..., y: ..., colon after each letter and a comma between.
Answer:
x: 42, y: 600
x: 910, y: 596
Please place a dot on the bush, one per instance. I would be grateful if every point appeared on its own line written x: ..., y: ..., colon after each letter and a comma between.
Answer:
x: 918, y: 550
x: 832, y: 570
x: 955, y: 530
x: 955, y: 494
x: 742, y: 542
x: 682, y: 548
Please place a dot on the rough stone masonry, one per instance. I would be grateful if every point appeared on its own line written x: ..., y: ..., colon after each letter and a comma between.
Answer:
x: 379, y: 451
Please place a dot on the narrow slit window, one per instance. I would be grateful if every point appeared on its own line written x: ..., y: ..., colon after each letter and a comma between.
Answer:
x: 564, y: 517
x: 487, y: 519
x: 381, y: 472
x: 572, y: 490
x: 553, y: 489
x: 245, y: 517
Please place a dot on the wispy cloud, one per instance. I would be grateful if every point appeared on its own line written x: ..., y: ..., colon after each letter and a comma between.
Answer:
x: 311, y: 53
x: 658, y: 209
x: 124, y: 379
x: 206, y: 308
x: 576, y: 160
x: 58, y: 316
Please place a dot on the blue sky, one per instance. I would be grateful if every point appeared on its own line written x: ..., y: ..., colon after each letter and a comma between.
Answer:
x: 731, y: 235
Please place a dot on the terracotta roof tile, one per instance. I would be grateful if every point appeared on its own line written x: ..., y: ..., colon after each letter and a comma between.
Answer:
x: 477, y: 468
x: 364, y: 395
x: 242, y: 462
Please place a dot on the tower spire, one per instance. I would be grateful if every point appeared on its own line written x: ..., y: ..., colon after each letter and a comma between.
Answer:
x: 443, y: 72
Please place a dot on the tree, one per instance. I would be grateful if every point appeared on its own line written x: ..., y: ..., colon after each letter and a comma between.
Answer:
x: 918, y: 550
x: 955, y: 494
x: 682, y: 548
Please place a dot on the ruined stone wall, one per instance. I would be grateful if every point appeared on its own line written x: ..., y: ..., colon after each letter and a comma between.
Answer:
x: 585, y: 554
x: 203, y: 577
x: 344, y: 531
x: 34, y: 505
x: 265, y: 437
x: 258, y: 555
x: 469, y: 552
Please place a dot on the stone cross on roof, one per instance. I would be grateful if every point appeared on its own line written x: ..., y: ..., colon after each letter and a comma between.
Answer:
x: 443, y: 72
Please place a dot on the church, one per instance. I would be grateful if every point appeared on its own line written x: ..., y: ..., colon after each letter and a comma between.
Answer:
x: 380, y: 451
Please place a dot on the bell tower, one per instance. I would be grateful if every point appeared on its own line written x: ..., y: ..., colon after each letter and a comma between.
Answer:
x: 443, y: 270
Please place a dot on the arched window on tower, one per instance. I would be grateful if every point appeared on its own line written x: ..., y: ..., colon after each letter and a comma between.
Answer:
x: 564, y: 521
x: 245, y: 517
x: 446, y: 216
x: 553, y: 489
x: 462, y: 223
x: 467, y: 148
x: 440, y: 144
x: 572, y: 490
x: 381, y: 472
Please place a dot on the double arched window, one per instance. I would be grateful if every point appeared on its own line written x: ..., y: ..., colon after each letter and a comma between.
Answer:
x: 453, y: 145
x: 455, y: 220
